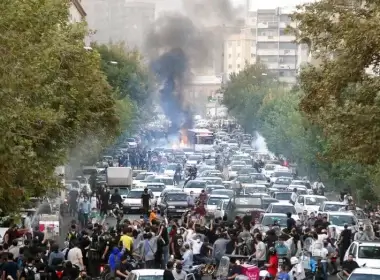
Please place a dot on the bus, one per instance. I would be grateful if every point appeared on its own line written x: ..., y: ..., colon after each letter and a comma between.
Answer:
x: 199, y: 139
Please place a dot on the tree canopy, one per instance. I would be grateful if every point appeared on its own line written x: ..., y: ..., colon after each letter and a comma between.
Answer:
x: 341, y: 92
x: 54, y: 96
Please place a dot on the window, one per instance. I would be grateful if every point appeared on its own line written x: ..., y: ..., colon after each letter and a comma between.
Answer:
x: 238, y: 55
x: 230, y: 55
x: 229, y: 66
x: 267, y: 45
x: 238, y: 66
x: 288, y: 46
x: 238, y: 43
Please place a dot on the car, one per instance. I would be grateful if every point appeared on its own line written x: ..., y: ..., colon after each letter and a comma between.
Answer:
x: 234, y: 169
x: 260, y: 179
x: 328, y: 206
x: 268, y: 219
x: 281, y: 183
x: 365, y: 253
x: 243, y: 180
x: 146, y: 274
x: 211, y: 180
x: 210, y: 188
x: 240, y: 205
x: 305, y: 183
x: 339, y: 219
x: 131, y: 143
x: 254, y: 189
x: 282, y: 174
x: 156, y: 189
x: 228, y: 192
x: 166, y: 180
x: 248, y: 171
x: 282, y: 196
x: 170, y: 169
x: 167, y: 190
x: 311, y: 203
x: 282, y: 207
x: 193, y: 160
x: 268, y: 169
x: 362, y: 273
x: 213, y: 201
x: 195, y: 186
x: 174, y: 204
x: 132, y: 203
x: 141, y: 176
x: 300, y: 189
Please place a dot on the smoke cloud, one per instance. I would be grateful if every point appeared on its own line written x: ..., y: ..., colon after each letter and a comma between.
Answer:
x: 178, y: 43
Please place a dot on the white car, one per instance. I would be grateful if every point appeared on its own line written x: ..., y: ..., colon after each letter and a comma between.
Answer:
x: 300, y: 189
x: 367, y: 253
x: 141, y: 177
x: 156, y: 189
x: 310, y: 203
x: 364, y: 273
x: 213, y: 201
x: 269, y: 169
x: 195, y: 186
x: 146, y: 274
x: 282, y: 196
x: 133, y: 200
x: 282, y: 207
x: 193, y: 160
x: 338, y: 219
x: 166, y: 180
x: 170, y: 169
x: 283, y: 174
x: 131, y: 143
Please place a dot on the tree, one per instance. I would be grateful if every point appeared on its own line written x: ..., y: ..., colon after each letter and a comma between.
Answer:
x: 54, y: 96
x: 340, y: 95
x: 244, y: 92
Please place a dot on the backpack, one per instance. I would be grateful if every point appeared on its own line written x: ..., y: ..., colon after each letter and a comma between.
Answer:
x: 31, y: 273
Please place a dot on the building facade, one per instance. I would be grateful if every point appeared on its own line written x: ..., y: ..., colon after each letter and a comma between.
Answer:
x: 265, y: 39
x: 77, y: 13
x: 119, y: 21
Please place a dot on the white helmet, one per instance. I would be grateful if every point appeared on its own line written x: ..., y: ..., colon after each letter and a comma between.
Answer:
x: 264, y: 274
x: 294, y: 260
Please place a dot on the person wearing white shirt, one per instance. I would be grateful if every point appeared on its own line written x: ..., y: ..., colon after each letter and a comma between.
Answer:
x: 293, y: 197
x: 75, y: 257
x: 94, y: 202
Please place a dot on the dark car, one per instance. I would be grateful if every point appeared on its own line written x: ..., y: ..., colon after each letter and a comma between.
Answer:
x: 174, y: 204
x: 242, y: 205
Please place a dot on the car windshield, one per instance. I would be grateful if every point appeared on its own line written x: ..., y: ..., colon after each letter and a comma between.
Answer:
x: 247, y: 201
x: 283, y: 196
x: 360, y: 276
x: 230, y: 193
x: 283, y: 209
x: 245, y: 180
x: 123, y: 191
x: 131, y: 140
x: 215, y: 200
x: 269, y: 167
x: 166, y: 181
x: 151, y: 277
x: 215, y: 187
x: 213, y: 181
x: 134, y: 194
x: 141, y: 176
x: 340, y: 220
x: 369, y: 252
x: 247, y: 171
x: 283, y: 181
x: 176, y: 197
x: 236, y: 167
x: 258, y: 177
x: 195, y: 185
x: 314, y: 200
x: 156, y: 188
x: 283, y: 174
x: 194, y: 157
x: 269, y: 220
x: 332, y: 207
x: 256, y: 189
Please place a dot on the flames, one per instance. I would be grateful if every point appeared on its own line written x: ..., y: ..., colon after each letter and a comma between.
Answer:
x: 183, y: 140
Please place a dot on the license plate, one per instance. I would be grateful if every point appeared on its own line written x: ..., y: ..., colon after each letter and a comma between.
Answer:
x: 180, y: 210
x: 135, y: 208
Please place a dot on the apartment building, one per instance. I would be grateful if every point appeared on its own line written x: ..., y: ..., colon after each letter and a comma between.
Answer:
x: 119, y: 20
x: 265, y: 39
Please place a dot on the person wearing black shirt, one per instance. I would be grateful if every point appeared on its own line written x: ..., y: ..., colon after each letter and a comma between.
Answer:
x: 344, y: 241
x: 145, y: 199
x: 325, y: 223
x: 168, y: 275
x: 349, y: 265
x: 234, y: 270
x: 104, y: 197
x: 290, y: 222
x: 116, y: 198
x: 177, y: 245
x: 10, y: 268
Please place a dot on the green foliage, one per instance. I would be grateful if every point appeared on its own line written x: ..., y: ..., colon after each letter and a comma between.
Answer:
x: 244, y: 93
x: 54, y: 96
x: 340, y: 96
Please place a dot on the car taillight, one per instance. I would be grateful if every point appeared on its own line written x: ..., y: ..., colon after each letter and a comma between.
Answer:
x: 101, y: 268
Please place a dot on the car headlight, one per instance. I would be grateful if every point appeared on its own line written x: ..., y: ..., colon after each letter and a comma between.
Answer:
x: 171, y: 207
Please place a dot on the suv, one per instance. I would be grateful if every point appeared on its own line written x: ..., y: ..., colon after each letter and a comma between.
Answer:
x: 173, y: 204
x: 367, y: 253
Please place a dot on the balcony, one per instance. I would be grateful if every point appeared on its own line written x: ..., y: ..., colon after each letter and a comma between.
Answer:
x: 262, y: 25
x: 288, y: 52
x: 268, y: 38
x: 267, y: 52
x: 287, y: 66
x: 287, y: 38
x: 271, y: 65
